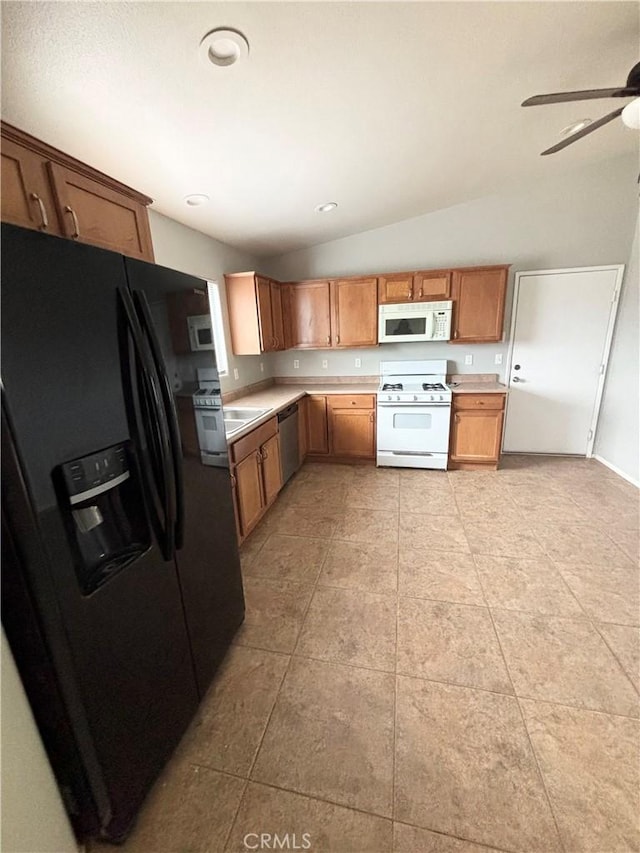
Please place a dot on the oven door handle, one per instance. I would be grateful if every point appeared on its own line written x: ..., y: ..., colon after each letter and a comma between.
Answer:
x: 415, y: 404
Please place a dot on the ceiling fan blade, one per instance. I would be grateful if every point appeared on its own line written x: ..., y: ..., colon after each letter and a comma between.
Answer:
x: 584, y: 132
x: 584, y: 95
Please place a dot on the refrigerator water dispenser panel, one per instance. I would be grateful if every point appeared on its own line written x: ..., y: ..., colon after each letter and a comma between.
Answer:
x: 104, y: 515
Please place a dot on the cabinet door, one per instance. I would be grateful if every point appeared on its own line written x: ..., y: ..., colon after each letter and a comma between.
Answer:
x: 303, y: 428
x: 432, y: 284
x: 251, y: 503
x: 354, y: 309
x: 478, y: 311
x: 92, y: 213
x: 26, y: 195
x: 351, y: 432
x: 476, y: 435
x: 395, y: 288
x: 277, y: 319
x: 310, y: 316
x: 263, y: 296
x: 318, y: 427
x: 285, y: 301
x: 271, y: 470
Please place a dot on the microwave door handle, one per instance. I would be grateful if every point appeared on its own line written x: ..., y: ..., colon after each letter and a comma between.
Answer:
x: 171, y: 415
x: 430, y: 324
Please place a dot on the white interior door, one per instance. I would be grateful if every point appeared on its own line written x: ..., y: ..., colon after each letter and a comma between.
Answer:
x: 561, y: 333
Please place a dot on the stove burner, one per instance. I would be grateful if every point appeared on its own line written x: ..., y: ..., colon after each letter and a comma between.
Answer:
x: 390, y: 387
x: 433, y: 386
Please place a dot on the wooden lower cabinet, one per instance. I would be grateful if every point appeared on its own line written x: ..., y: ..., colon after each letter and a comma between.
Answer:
x: 318, y: 428
x: 303, y: 428
x: 352, y: 427
x: 271, y: 470
x: 248, y: 488
x: 476, y: 430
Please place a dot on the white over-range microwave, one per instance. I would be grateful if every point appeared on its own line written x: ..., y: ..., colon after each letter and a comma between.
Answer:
x: 200, y: 332
x: 414, y: 321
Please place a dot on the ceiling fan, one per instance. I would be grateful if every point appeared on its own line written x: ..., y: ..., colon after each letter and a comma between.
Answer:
x: 630, y: 90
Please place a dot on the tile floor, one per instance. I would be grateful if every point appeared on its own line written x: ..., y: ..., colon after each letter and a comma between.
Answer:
x: 431, y: 662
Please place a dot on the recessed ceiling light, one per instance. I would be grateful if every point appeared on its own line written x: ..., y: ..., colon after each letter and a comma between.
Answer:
x: 224, y: 47
x: 328, y: 206
x: 196, y: 199
x: 575, y: 127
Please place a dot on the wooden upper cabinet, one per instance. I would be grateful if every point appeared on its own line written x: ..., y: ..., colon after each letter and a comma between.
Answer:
x: 92, y: 213
x: 26, y: 194
x: 431, y: 284
x: 45, y: 189
x: 395, y: 288
x: 354, y: 313
x: 479, y: 295
x: 310, y: 315
x: 256, y: 320
x: 318, y: 430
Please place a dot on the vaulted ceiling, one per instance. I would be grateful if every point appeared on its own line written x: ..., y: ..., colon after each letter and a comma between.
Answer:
x: 390, y: 109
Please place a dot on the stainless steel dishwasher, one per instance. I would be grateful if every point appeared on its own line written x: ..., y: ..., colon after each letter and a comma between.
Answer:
x: 289, y: 453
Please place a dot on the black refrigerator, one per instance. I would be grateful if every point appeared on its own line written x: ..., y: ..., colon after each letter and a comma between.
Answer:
x: 121, y: 584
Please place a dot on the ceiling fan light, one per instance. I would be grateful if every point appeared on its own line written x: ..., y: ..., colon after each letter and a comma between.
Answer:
x: 631, y: 114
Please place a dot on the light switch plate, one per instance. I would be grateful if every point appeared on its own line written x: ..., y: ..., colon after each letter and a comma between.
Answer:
x: 325, y: 363
x: 498, y: 358
x: 358, y: 362
x: 296, y: 363
x: 468, y: 359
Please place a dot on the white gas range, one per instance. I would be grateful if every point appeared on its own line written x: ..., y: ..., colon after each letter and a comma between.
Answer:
x: 414, y: 414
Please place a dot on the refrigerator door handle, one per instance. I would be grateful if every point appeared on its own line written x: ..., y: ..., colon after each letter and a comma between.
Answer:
x: 150, y: 404
x: 146, y: 322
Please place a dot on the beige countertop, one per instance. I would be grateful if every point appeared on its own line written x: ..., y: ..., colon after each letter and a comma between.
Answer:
x: 479, y: 388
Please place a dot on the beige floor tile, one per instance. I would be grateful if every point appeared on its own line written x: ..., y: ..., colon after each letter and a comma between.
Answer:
x: 627, y: 539
x: 365, y: 475
x: 361, y: 565
x: 438, y: 501
x: 227, y: 732
x: 573, y: 543
x: 624, y: 642
x: 590, y: 765
x: 306, y: 823
x: 292, y: 558
x: 178, y: 813
x: 501, y: 540
x: 464, y: 767
x: 316, y: 492
x: 553, y: 510
x: 563, y: 660
x: 432, y: 532
x: 607, y: 593
x: 412, y: 839
x: 350, y: 626
x: 316, y: 520
x: 365, y: 495
x: 535, y: 586
x: 450, y: 642
x: 497, y: 509
x: 442, y: 575
x: 328, y: 471
x: 331, y: 735
x: 367, y: 525
x: 251, y: 545
x: 274, y: 614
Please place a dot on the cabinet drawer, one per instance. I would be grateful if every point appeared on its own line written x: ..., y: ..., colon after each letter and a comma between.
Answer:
x: 478, y: 401
x: 251, y: 442
x: 351, y: 401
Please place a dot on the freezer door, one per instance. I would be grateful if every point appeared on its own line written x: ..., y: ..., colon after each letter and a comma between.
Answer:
x: 120, y: 651
x: 206, y: 546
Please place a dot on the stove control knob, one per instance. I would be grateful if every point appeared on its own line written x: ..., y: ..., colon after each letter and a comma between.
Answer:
x: 398, y: 397
x: 441, y: 397
x: 415, y: 396
x: 389, y: 397
x: 431, y: 397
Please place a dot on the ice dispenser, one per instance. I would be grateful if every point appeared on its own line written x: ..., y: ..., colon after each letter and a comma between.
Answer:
x: 104, y: 515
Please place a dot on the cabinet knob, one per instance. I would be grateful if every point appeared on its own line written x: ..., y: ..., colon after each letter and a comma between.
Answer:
x: 44, y: 219
x: 76, y: 226
x: 328, y: 339
x: 353, y: 402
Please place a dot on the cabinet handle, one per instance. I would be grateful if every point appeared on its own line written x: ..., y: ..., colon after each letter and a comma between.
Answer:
x: 259, y: 457
x: 233, y: 481
x: 76, y: 227
x: 371, y: 418
x: 420, y: 294
x: 44, y: 219
x: 337, y: 339
x: 265, y: 454
x: 409, y: 294
x: 328, y: 339
x: 455, y: 334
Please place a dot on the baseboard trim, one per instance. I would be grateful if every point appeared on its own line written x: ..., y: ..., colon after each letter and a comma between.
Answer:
x: 617, y: 471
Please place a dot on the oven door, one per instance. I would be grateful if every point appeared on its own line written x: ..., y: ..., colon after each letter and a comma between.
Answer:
x: 414, y: 428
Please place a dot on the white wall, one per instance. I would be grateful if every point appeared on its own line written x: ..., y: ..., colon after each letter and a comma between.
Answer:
x: 33, y: 816
x: 618, y: 435
x: 586, y: 218
x: 181, y: 248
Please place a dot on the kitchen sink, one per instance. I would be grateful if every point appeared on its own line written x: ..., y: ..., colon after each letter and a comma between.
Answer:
x: 235, y: 419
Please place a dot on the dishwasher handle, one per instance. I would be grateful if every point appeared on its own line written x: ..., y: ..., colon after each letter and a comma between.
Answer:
x: 287, y: 413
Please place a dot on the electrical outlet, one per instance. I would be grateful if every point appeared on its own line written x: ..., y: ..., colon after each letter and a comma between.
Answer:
x: 236, y: 375
x: 468, y: 359
x: 325, y: 363
x: 358, y: 362
x: 262, y: 367
x: 296, y: 363
x: 498, y: 358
